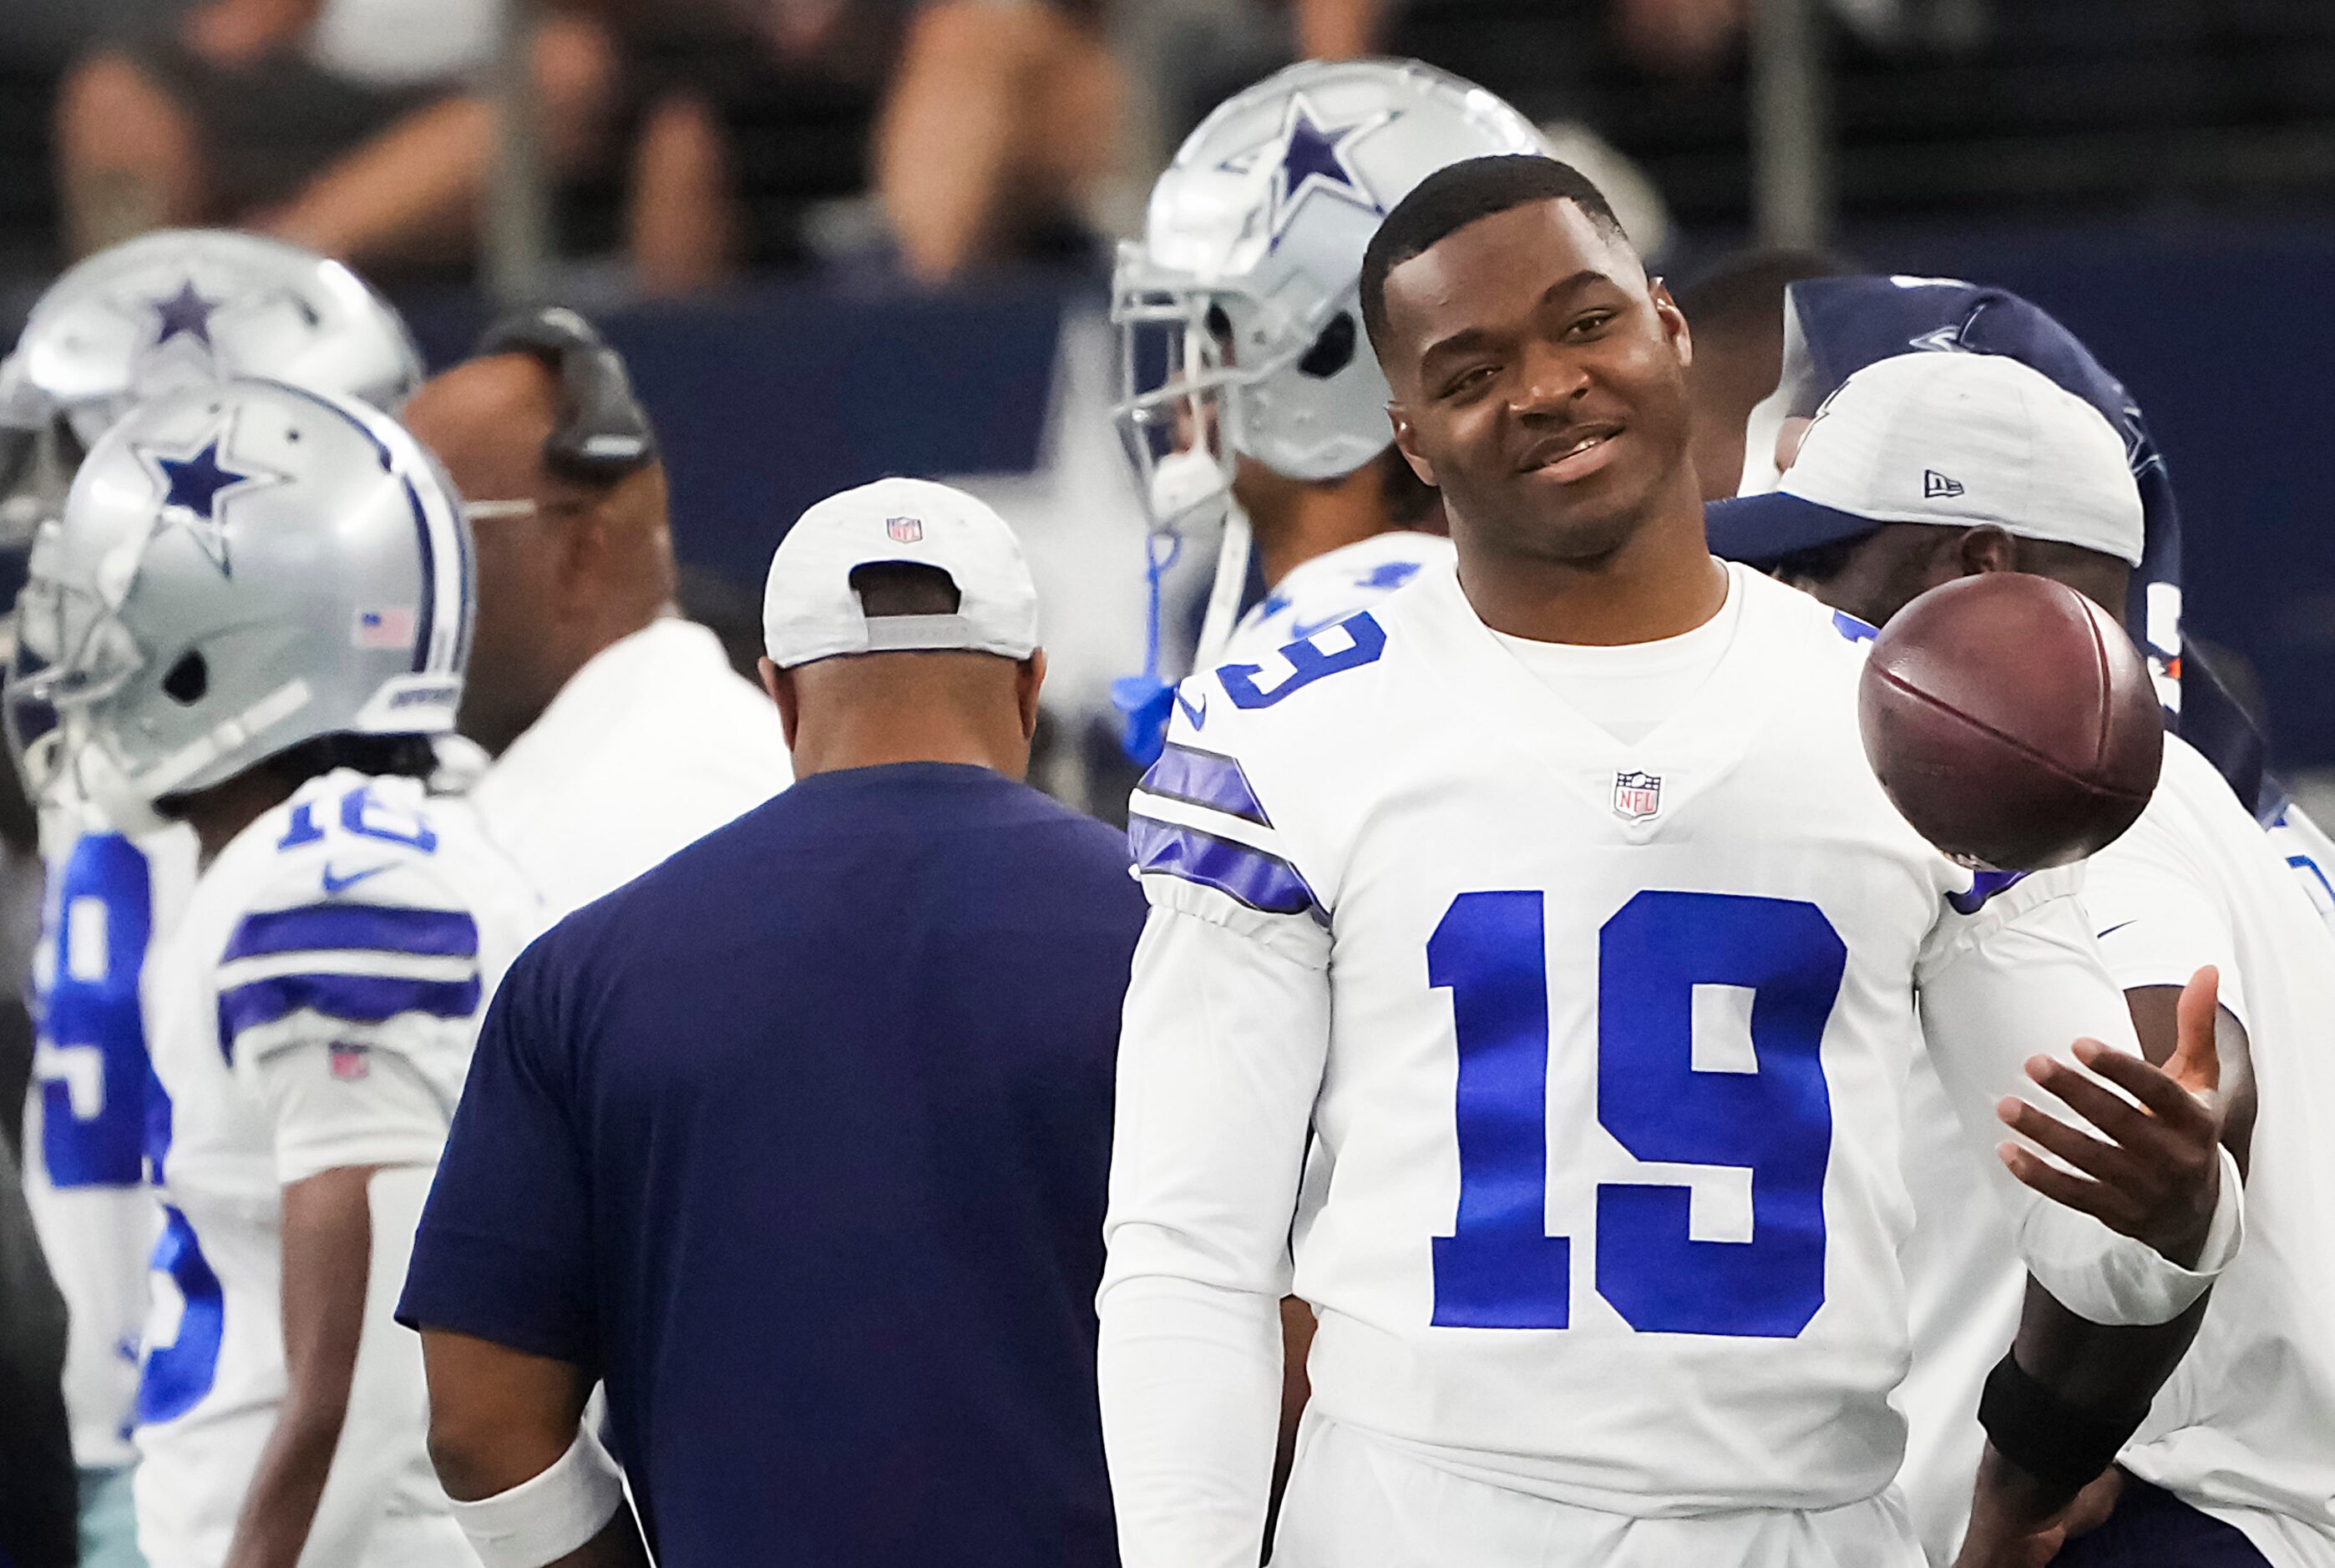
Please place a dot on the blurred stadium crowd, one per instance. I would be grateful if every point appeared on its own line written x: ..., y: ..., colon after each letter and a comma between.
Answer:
x: 694, y: 141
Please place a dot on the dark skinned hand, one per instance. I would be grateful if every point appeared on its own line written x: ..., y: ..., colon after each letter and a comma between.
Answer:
x: 2150, y: 1170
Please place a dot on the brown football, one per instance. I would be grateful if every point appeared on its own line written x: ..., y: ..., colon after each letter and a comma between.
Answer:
x: 2012, y: 720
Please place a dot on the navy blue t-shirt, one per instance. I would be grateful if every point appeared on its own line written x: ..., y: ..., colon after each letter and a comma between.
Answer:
x: 800, y: 1141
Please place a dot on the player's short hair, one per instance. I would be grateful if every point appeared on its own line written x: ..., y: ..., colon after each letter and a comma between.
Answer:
x: 1745, y: 293
x: 377, y: 756
x: 904, y: 589
x: 1467, y: 192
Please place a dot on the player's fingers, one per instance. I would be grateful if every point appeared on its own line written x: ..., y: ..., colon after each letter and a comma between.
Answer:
x: 2149, y: 1085
x: 2094, y: 1157
x: 2196, y: 1064
x: 2116, y: 1117
x: 2085, y: 1196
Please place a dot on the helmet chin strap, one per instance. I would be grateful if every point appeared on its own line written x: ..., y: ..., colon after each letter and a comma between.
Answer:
x: 171, y: 773
x: 1224, y: 594
x: 98, y: 780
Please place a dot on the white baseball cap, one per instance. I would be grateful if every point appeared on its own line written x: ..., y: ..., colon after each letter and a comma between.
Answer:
x: 810, y: 611
x: 1958, y: 440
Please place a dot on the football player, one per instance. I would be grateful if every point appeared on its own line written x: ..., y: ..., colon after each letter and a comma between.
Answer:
x: 1555, y: 899
x: 1766, y: 371
x: 1248, y: 381
x: 1933, y: 466
x: 253, y: 614
x: 164, y: 312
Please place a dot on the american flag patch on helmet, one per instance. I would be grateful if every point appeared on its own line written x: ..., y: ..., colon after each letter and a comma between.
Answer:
x: 387, y: 628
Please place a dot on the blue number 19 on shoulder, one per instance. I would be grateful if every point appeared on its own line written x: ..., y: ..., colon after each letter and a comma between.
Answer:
x: 1500, y: 1269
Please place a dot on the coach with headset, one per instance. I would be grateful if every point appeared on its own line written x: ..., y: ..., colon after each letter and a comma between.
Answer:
x: 619, y: 731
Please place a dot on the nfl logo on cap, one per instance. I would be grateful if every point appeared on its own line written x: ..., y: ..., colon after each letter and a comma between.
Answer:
x: 905, y: 530
x: 1637, y: 796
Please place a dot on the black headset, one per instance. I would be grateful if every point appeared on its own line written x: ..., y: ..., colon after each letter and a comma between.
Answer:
x: 602, y: 433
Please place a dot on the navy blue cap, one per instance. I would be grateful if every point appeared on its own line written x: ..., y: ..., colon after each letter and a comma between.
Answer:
x: 1760, y: 530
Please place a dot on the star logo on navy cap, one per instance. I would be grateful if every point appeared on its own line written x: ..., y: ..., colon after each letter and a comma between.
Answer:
x: 1311, y: 158
x: 185, y: 314
x: 196, y: 483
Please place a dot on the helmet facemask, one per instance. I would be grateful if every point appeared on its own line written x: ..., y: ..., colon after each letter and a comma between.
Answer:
x: 1193, y: 356
x: 72, y: 655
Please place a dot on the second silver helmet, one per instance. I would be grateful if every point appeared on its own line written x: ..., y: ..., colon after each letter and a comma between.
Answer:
x: 238, y: 569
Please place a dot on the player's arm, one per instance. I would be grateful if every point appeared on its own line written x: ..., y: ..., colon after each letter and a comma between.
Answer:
x: 2161, y: 920
x: 2096, y: 1379
x: 1221, y: 1054
x: 356, y: 1155
x: 502, y: 1292
x: 2123, y: 1243
x: 327, y: 1262
x: 345, y: 1023
x: 503, y: 1421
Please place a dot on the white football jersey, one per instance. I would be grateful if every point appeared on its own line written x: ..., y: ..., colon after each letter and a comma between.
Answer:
x: 2310, y: 854
x: 2246, y: 1425
x: 2246, y: 1428
x: 1317, y: 594
x: 1600, y: 1049
x: 343, y: 945
x: 108, y: 896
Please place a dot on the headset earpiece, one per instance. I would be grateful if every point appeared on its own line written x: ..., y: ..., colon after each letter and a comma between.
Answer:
x: 603, y: 434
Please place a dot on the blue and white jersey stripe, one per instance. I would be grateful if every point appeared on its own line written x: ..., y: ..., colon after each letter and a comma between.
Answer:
x: 356, y: 964
x: 1197, y: 818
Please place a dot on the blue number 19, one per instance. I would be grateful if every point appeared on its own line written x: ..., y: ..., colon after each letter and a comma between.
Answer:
x: 1499, y: 1269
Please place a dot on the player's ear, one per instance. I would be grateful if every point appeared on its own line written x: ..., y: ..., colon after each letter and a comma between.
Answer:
x: 1675, y: 331
x: 1406, y: 441
x: 1029, y: 678
x: 1985, y: 548
x: 781, y: 684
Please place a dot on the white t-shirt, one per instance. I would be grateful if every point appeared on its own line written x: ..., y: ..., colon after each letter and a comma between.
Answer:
x: 651, y: 745
x: 1630, y: 690
x: 1599, y: 1049
x: 2245, y: 1427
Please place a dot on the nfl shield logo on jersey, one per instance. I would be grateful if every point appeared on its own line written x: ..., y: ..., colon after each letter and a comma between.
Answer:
x: 1637, y: 796
x: 905, y: 530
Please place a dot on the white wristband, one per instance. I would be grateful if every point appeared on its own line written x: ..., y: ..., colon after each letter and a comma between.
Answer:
x: 2116, y: 1280
x: 542, y: 1520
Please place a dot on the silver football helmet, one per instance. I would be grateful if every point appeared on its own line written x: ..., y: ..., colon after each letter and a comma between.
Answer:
x: 238, y: 568
x: 1238, y: 310
x: 181, y: 307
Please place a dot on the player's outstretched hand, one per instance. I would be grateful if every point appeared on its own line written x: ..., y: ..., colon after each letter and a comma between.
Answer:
x: 2151, y: 1170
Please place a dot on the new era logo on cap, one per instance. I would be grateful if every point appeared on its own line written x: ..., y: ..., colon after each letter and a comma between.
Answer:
x: 1948, y: 439
x: 905, y: 530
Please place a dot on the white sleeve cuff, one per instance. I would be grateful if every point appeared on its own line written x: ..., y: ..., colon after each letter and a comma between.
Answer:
x: 338, y: 1105
x: 542, y: 1520
x: 2109, y: 1278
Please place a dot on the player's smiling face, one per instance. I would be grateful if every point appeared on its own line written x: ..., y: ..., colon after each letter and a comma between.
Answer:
x: 1539, y: 382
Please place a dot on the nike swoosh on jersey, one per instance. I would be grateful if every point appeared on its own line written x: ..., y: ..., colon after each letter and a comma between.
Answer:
x: 2112, y: 929
x: 342, y: 883
x: 1299, y: 630
x: 1197, y: 713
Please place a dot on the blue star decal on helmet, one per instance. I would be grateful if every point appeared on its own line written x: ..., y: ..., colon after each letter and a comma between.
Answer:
x: 185, y: 314
x: 1311, y: 158
x: 196, y: 486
